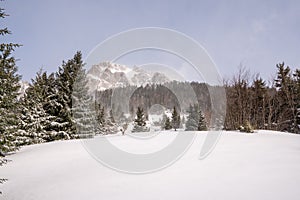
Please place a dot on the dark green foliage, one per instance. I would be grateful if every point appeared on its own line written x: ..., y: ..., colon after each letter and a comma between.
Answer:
x: 167, y: 125
x: 175, y: 119
x: 9, y: 87
x: 65, y: 79
x: 192, y: 119
x: 36, y: 123
x: 105, y: 123
x: 140, y: 121
x: 201, y: 122
x: 297, y: 99
x: 82, y: 106
x: 195, y: 120
x: 9, y: 105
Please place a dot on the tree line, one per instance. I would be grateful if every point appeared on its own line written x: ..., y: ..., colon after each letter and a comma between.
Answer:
x: 273, y: 106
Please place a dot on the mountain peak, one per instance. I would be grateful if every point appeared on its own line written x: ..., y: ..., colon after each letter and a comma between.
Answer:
x: 107, y: 75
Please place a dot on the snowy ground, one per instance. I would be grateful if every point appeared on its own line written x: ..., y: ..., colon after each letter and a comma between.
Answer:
x: 264, y: 165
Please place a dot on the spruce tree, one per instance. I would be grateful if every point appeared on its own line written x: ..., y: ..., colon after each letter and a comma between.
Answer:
x: 66, y: 77
x: 175, y: 119
x: 163, y: 121
x: 9, y: 87
x: 111, y: 126
x: 286, y: 106
x: 9, y: 105
x: 36, y: 122
x: 100, y: 119
x: 297, y: 100
x: 192, y: 119
x: 168, y: 125
x: 82, y: 108
x: 140, y: 121
x: 201, y: 123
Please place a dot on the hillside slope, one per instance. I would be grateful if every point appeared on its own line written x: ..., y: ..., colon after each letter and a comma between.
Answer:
x: 264, y: 165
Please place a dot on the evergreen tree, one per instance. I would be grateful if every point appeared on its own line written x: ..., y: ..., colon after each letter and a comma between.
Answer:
x: 36, y: 122
x: 201, y: 123
x: 258, y: 110
x: 100, y: 119
x: 9, y: 87
x: 192, y: 119
x: 111, y: 126
x: 66, y: 77
x: 83, y: 114
x: 140, y: 122
x: 9, y: 106
x: 297, y: 100
x: 168, y: 125
x: 163, y: 121
x: 286, y: 106
x: 52, y: 108
x: 111, y: 116
x: 175, y: 119
x: 105, y: 125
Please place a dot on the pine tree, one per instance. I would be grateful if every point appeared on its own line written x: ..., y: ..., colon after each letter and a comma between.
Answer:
x: 167, y: 125
x: 82, y: 108
x: 286, y: 107
x: 36, y: 122
x: 297, y: 100
x: 9, y: 87
x: 105, y: 122
x: 52, y: 107
x: 201, y: 123
x: 192, y: 119
x: 140, y: 121
x: 111, y: 116
x: 258, y: 110
x: 9, y: 106
x: 66, y: 77
x: 100, y: 119
x: 175, y: 119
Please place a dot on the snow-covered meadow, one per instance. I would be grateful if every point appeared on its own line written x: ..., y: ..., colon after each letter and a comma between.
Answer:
x: 264, y: 165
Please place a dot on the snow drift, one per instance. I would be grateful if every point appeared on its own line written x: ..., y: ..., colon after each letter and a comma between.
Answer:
x: 263, y: 165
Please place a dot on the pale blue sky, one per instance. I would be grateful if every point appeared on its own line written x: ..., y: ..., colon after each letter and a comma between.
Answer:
x: 257, y: 34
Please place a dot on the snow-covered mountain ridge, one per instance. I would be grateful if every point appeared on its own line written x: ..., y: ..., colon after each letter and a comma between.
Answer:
x: 110, y: 75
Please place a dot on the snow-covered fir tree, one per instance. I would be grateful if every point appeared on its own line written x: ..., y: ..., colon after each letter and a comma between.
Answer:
x: 100, y: 119
x: 140, y: 121
x: 192, y: 119
x: 175, y: 119
x: 297, y: 99
x: 163, y: 121
x: 82, y: 108
x: 9, y: 87
x: 65, y: 78
x: 105, y: 123
x: 111, y: 124
x: 195, y: 120
x: 167, y: 125
x: 201, y: 122
x: 36, y: 122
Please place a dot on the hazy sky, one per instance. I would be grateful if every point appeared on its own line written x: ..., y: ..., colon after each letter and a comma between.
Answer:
x: 257, y: 34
